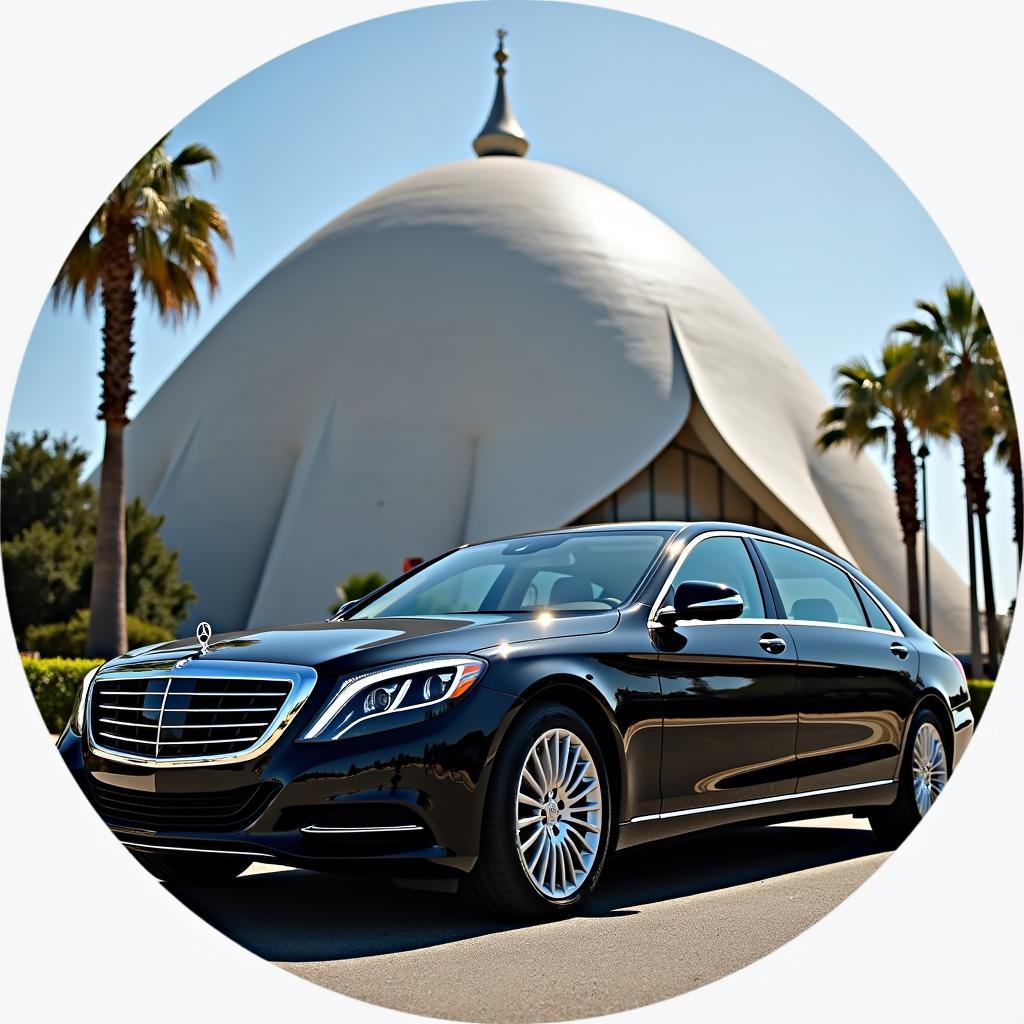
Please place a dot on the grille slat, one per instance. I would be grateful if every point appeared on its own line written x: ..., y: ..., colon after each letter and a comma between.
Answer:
x: 212, y: 725
x: 154, y: 722
x: 205, y: 711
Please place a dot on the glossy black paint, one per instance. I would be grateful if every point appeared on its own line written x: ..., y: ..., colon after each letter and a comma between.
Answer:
x: 702, y: 725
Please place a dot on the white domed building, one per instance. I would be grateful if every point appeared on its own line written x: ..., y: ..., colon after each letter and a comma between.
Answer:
x: 491, y: 346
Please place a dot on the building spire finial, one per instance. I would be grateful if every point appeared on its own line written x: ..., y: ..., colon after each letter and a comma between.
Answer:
x: 502, y: 134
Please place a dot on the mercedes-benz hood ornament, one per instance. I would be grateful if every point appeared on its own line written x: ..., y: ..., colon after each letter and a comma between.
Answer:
x: 203, y: 633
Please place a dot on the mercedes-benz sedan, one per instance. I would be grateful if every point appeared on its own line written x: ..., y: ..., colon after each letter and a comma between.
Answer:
x: 504, y: 717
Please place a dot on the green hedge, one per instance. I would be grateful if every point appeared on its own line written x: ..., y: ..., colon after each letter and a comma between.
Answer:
x: 67, y: 639
x: 55, y: 682
x: 981, y: 690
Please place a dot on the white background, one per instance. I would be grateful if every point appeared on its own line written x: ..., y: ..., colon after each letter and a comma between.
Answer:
x: 934, y: 87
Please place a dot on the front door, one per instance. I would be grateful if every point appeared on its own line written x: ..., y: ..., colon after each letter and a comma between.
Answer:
x: 729, y: 691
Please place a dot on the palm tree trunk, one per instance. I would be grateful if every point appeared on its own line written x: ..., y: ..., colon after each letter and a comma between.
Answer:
x: 1018, y: 498
x: 992, y: 632
x: 969, y: 428
x: 107, y: 634
x: 904, y: 471
x: 977, y: 671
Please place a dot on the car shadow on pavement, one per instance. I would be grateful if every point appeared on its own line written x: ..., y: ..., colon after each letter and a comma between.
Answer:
x: 302, y: 916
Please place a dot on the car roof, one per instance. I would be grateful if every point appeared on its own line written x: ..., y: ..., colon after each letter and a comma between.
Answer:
x: 675, y: 526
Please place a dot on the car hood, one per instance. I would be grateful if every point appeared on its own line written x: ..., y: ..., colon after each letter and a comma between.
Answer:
x: 374, y: 641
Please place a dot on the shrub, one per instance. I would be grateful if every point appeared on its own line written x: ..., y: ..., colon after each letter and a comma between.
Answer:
x: 67, y: 639
x: 356, y: 586
x: 981, y: 690
x: 55, y: 683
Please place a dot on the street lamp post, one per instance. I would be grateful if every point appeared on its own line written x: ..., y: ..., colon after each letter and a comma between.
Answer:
x: 922, y: 454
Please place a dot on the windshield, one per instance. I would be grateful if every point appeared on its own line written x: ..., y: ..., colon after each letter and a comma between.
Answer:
x: 565, y: 572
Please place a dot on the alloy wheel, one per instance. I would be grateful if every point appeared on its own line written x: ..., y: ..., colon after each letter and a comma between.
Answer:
x: 930, y: 771
x: 558, y: 814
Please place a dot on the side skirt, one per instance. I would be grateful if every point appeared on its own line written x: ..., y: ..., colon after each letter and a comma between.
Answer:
x: 651, y: 827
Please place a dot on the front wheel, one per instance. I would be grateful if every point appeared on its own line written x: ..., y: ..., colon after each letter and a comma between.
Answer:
x: 547, y: 819
x: 923, y: 776
x: 192, y: 868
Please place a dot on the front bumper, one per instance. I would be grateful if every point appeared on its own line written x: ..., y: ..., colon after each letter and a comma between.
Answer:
x: 407, y: 801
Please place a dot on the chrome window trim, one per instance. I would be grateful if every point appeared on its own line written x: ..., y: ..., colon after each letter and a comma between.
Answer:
x: 853, y: 580
x: 652, y: 621
x: 866, y: 595
x: 301, y: 678
x: 759, y: 800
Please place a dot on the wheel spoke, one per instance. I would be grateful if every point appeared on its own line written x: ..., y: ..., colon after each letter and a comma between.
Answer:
x: 533, y: 782
x: 549, y: 772
x: 532, y: 838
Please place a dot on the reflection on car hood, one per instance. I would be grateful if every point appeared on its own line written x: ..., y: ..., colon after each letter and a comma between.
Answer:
x: 316, y: 643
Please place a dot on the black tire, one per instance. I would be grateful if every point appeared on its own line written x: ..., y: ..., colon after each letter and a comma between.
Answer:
x: 192, y: 868
x: 894, y: 823
x: 499, y: 883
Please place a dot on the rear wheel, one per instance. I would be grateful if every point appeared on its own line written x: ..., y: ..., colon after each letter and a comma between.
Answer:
x: 547, y: 819
x: 923, y: 776
x: 192, y: 868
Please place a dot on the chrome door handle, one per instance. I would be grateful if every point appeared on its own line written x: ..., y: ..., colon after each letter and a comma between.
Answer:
x: 772, y: 644
x: 899, y: 650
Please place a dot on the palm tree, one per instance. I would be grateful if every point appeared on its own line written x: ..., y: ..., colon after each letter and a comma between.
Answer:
x: 1007, y: 441
x: 150, y: 235
x: 956, y: 345
x: 870, y: 403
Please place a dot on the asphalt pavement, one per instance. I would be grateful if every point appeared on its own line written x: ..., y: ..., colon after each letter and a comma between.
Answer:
x: 666, y: 919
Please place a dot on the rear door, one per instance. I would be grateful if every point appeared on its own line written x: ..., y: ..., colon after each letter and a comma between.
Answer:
x: 729, y: 690
x: 855, y: 671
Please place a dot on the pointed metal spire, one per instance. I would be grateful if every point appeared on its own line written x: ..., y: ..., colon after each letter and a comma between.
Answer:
x: 502, y: 135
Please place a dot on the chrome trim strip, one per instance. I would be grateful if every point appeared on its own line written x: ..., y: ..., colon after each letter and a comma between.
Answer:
x: 353, y: 830
x: 301, y: 677
x: 211, y: 693
x: 652, y: 621
x: 760, y: 800
x: 205, y: 711
x: 192, y: 849
x: 178, y: 743
x: 842, y: 569
x: 213, y: 725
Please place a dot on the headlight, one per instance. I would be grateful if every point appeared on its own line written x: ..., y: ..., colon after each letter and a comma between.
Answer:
x: 394, y: 688
x: 78, y: 715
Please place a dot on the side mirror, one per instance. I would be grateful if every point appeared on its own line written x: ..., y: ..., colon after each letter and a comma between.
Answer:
x: 705, y: 602
x: 340, y: 613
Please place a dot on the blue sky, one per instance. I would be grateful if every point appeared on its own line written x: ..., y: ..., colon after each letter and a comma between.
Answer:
x: 813, y: 226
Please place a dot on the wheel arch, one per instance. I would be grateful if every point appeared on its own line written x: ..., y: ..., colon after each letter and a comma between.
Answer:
x: 933, y: 700
x: 588, y: 702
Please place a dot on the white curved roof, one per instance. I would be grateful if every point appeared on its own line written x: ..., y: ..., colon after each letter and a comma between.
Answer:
x: 485, y: 347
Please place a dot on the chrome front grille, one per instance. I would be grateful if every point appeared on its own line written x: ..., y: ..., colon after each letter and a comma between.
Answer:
x: 203, y: 711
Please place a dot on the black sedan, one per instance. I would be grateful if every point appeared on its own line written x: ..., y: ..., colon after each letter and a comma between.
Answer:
x: 503, y: 717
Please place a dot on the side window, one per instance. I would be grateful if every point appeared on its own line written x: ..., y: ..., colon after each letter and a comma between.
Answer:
x: 724, y: 560
x: 811, y: 588
x: 876, y: 617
